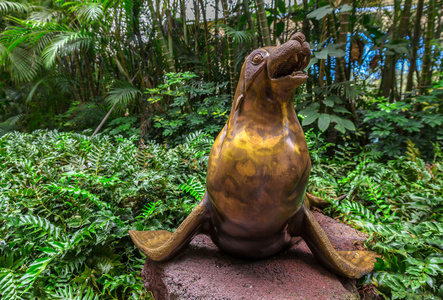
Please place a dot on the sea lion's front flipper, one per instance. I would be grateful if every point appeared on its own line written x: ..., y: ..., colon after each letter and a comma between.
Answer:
x: 351, y: 264
x: 161, y: 245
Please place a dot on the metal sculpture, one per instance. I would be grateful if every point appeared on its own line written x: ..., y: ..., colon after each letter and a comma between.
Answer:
x: 255, y: 203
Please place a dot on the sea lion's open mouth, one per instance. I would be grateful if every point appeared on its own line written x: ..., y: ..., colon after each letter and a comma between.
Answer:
x: 289, y: 59
x: 293, y: 66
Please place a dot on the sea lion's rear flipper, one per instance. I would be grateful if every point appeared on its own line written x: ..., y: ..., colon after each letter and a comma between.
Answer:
x: 161, y: 245
x: 319, y: 202
x: 351, y: 264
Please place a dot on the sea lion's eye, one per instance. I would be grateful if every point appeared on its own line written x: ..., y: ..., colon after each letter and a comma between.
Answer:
x: 257, y: 58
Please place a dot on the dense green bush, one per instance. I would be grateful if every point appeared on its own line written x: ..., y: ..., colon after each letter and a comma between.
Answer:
x: 67, y: 203
x: 187, y: 105
x: 400, y: 205
x: 419, y: 119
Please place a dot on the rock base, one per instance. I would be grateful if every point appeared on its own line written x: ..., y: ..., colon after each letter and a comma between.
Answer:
x: 204, y: 272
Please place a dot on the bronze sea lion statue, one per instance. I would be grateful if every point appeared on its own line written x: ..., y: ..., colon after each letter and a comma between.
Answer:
x: 255, y: 203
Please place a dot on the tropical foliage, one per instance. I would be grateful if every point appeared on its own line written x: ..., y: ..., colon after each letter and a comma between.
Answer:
x: 108, y: 109
x: 67, y: 203
x: 66, y: 64
x: 400, y: 205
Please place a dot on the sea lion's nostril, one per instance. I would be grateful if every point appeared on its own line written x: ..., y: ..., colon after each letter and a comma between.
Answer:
x: 299, y: 37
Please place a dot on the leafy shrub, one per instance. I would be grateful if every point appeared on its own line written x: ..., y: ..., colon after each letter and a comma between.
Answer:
x: 420, y: 120
x: 186, y: 106
x: 400, y: 205
x: 67, y: 203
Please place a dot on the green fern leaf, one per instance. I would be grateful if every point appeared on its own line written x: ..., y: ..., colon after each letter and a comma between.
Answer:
x: 194, y: 188
x: 8, y: 285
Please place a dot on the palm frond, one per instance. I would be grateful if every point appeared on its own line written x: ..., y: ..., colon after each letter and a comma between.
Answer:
x: 21, y: 63
x: 31, y: 34
x: 46, y: 15
x: 122, y: 94
x: 11, y: 124
x: 64, y: 44
x: 87, y: 11
x: 238, y: 36
x: 7, y: 7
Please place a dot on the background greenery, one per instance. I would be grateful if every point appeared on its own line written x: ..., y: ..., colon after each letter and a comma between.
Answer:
x: 108, y: 110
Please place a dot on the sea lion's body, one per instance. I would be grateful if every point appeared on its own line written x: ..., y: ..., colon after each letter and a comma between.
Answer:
x: 255, y: 183
x: 258, y: 170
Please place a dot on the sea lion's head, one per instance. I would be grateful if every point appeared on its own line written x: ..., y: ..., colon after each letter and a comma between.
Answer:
x: 275, y: 71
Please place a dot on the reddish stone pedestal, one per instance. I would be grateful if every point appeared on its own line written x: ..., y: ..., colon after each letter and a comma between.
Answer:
x: 204, y: 272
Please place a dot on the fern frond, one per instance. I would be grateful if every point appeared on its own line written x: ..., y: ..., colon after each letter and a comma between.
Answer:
x: 35, y: 269
x: 194, y: 187
x: 412, y: 153
x: 40, y: 223
x: 142, y: 157
x: 8, y: 285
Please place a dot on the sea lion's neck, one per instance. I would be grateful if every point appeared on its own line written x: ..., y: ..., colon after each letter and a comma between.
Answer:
x: 263, y: 109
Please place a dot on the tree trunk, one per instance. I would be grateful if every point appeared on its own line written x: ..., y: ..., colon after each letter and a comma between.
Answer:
x: 339, y: 69
x: 321, y: 72
x: 230, y: 50
x: 161, y: 38
x: 216, y: 19
x: 388, y: 78
x: 183, y: 18
x: 306, y: 31
x: 351, y: 30
x: 426, y: 70
x: 208, y: 51
x: 274, y: 22
x: 196, y: 28
x: 250, y: 21
x: 305, y: 26
x: 168, y: 17
x: 343, y: 39
x: 404, y: 21
x: 414, y: 46
x: 263, y: 23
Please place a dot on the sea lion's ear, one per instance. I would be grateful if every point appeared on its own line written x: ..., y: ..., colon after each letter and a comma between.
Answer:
x: 254, y: 64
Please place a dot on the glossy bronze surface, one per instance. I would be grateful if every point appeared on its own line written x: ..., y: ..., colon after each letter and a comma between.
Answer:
x: 258, y: 170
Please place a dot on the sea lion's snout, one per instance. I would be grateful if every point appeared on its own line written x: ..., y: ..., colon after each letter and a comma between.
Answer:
x: 286, y: 62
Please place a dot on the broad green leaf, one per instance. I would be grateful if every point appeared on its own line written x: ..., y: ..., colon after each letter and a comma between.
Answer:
x: 341, y: 109
x: 323, y: 122
x: 345, y: 8
x: 310, y: 118
x: 329, y: 102
x: 281, y: 6
x: 348, y: 124
x: 320, y: 13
